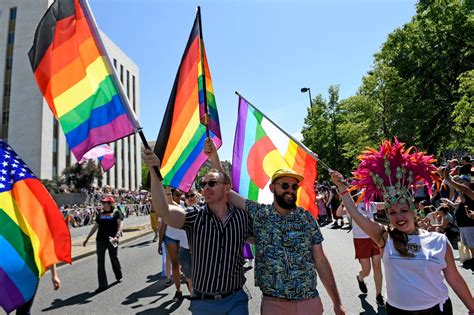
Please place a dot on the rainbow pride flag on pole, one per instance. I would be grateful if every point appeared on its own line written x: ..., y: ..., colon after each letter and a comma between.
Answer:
x: 185, y: 125
x: 74, y: 73
x: 33, y: 234
x: 260, y: 148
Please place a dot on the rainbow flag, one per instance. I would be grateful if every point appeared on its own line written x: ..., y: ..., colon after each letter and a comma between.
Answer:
x: 104, y: 153
x: 74, y: 74
x: 260, y: 148
x: 33, y: 234
x: 180, y: 142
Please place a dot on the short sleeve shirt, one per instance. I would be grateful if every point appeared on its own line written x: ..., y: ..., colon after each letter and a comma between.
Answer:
x: 284, y: 264
x: 216, y: 248
x: 108, y: 225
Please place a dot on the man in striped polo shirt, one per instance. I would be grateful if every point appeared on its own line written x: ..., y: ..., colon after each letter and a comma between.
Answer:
x: 216, y: 233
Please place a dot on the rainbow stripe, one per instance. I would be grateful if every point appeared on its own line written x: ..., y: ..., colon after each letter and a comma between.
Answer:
x: 261, y: 148
x: 75, y: 77
x: 33, y: 234
x: 180, y: 142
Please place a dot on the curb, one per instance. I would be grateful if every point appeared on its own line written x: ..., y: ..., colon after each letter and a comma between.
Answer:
x: 92, y: 252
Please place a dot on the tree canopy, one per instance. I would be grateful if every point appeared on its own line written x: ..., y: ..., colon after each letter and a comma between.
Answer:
x: 420, y: 89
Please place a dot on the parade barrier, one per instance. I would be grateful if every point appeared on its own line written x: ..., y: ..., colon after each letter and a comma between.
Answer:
x: 82, y: 216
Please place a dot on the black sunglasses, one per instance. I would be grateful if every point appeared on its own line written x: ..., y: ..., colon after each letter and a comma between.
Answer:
x: 211, y: 183
x: 190, y: 196
x: 285, y: 186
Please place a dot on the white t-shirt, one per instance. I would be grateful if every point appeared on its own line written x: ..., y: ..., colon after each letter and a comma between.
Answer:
x: 416, y: 283
x: 366, y: 211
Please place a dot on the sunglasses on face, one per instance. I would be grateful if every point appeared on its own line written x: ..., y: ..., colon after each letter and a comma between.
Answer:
x: 285, y: 186
x: 211, y: 183
x: 190, y: 196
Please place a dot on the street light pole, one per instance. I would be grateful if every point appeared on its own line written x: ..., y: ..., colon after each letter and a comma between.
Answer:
x: 307, y: 89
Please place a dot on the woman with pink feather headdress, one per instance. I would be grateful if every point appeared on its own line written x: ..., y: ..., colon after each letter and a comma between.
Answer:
x: 415, y: 261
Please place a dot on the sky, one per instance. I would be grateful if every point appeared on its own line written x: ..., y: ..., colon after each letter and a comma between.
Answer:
x: 265, y: 50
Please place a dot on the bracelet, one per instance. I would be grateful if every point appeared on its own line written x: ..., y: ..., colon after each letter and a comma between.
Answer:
x: 168, y: 194
x: 344, y: 192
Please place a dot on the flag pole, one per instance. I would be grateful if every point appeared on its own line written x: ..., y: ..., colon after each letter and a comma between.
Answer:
x: 130, y: 113
x: 287, y: 134
x: 203, y: 70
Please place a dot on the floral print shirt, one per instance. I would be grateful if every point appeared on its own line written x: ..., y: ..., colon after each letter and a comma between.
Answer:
x: 284, y: 264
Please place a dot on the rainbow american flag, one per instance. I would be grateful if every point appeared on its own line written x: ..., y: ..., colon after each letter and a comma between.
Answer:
x: 180, y: 142
x: 74, y: 74
x: 33, y: 234
x: 260, y: 148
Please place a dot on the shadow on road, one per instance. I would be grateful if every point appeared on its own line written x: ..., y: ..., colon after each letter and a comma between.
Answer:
x: 166, y: 307
x: 150, y: 291
x: 138, y: 245
x: 369, y: 309
x: 81, y: 298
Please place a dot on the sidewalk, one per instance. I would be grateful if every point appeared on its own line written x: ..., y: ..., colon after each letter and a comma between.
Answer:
x: 130, y: 233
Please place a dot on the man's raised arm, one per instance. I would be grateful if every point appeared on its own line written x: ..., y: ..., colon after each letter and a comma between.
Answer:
x: 171, y: 214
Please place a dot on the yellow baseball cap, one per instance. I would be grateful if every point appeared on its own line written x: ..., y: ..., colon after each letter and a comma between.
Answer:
x: 285, y: 172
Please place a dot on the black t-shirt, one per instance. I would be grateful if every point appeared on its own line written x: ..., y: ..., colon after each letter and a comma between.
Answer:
x: 108, y: 225
x: 460, y: 213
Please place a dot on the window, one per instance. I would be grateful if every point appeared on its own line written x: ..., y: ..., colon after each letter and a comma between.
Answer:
x: 11, y: 38
x: 9, y: 63
x: 6, y: 90
x: 13, y: 13
x: 133, y: 92
x: 115, y: 63
x: 121, y: 74
x: 128, y: 84
x: 55, y: 146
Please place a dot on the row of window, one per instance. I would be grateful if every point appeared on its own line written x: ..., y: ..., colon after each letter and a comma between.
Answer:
x: 7, y: 74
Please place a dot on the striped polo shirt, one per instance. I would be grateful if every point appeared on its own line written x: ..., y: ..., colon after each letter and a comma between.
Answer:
x: 216, y: 248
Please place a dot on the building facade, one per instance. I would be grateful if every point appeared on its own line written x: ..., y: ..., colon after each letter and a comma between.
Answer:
x: 28, y: 124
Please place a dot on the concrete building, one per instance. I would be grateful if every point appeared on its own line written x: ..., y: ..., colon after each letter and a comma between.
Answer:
x: 28, y: 124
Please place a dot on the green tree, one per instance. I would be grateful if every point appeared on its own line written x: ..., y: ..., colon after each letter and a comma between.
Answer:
x: 320, y: 130
x: 429, y: 54
x: 463, y: 113
x: 80, y: 176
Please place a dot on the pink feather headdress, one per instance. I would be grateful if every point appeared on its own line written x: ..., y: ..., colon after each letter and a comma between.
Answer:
x: 392, y: 172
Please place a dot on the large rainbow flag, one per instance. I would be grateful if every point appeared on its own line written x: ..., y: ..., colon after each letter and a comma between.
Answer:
x: 180, y: 142
x: 260, y: 148
x: 74, y: 74
x: 33, y: 234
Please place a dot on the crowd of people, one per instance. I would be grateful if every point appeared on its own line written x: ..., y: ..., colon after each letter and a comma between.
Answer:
x: 417, y: 257
x: 202, y: 235
x: 128, y: 202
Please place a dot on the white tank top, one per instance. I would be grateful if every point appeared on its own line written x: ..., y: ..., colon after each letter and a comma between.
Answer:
x: 367, y: 212
x: 177, y: 234
x: 416, y: 283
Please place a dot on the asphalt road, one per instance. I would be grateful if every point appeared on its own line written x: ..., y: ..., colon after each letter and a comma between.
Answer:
x: 144, y: 292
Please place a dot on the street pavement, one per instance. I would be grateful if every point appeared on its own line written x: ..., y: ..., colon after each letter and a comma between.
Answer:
x: 143, y: 290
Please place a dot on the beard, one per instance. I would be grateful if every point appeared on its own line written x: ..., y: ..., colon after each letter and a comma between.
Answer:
x: 282, y: 202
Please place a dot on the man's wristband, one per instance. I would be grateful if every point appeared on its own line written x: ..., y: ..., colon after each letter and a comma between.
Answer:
x: 344, y: 192
x: 168, y: 194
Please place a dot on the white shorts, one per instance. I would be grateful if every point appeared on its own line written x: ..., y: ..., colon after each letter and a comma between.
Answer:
x: 467, y: 236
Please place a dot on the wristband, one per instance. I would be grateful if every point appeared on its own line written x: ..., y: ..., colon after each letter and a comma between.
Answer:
x: 344, y: 192
x: 168, y: 194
